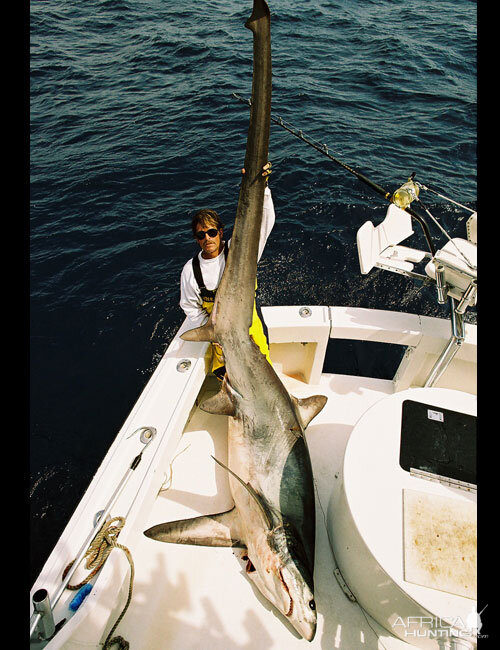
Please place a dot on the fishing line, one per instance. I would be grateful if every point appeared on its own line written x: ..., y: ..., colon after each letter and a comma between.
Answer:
x: 323, y: 148
x: 168, y: 479
x: 461, y: 253
x: 442, y: 196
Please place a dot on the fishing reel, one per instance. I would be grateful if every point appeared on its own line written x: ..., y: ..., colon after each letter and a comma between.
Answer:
x: 407, y: 193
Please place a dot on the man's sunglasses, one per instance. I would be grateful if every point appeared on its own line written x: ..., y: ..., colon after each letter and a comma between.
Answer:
x: 211, y: 232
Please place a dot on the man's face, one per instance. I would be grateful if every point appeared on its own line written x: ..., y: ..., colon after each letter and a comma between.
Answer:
x: 210, y: 244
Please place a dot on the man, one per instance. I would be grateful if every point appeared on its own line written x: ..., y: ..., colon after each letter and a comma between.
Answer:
x: 201, y: 275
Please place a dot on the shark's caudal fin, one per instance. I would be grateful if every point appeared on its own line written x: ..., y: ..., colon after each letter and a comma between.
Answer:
x: 222, y: 529
x: 308, y: 407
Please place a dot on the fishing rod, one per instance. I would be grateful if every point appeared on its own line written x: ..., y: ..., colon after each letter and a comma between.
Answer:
x: 323, y: 148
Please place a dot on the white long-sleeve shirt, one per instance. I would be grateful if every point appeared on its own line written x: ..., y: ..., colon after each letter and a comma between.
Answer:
x: 212, y: 269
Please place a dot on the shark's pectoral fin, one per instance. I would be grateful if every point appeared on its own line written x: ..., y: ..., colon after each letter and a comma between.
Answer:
x: 222, y: 529
x: 203, y: 333
x: 221, y: 403
x: 309, y: 407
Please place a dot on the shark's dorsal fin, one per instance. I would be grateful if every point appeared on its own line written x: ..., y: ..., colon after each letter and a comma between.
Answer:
x: 203, y: 333
x: 221, y: 403
x: 223, y: 529
x: 263, y: 507
x: 309, y: 407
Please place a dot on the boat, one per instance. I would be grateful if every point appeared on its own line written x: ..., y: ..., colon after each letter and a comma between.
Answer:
x: 396, y: 512
x: 394, y: 471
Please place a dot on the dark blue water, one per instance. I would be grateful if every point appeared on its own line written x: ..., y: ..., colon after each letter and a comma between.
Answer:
x: 133, y: 128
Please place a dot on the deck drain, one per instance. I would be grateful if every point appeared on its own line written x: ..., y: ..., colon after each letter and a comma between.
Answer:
x: 183, y: 365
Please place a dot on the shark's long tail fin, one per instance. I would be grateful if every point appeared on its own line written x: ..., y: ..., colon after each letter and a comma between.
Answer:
x: 233, y: 307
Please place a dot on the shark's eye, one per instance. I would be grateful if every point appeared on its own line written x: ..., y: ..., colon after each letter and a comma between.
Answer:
x: 312, y: 604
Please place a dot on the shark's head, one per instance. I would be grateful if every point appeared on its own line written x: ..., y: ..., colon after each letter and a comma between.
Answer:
x: 283, y: 578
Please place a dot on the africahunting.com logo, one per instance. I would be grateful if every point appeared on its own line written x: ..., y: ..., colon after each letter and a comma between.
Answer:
x: 432, y: 627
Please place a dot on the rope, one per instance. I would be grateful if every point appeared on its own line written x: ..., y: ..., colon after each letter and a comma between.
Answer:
x: 123, y: 645
x: 97, y: 553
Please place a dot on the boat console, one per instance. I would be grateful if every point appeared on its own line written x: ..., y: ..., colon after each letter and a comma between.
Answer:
x: 403, y: 524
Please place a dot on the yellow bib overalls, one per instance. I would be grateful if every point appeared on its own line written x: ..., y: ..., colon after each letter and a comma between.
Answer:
x: 256, y: 330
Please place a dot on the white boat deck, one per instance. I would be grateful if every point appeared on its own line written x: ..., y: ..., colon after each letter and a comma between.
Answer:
x: 192, y: 597
x: 200, y: 597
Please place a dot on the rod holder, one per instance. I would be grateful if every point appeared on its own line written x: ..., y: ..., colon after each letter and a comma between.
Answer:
x: 43, y: 619
x: 467, y: 298
x: 457, y: 323
x: 442, y: 290
x: 452, y: 347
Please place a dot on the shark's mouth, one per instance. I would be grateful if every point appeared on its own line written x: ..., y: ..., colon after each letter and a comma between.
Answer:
x: 290, y: 609
x: 249, y: 568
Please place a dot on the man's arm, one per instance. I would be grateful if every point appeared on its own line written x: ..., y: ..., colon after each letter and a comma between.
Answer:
x: 190, y: 301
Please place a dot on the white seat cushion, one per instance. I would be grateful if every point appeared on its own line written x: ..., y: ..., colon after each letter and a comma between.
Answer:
x: 457, y: 272
x: 379, y: 245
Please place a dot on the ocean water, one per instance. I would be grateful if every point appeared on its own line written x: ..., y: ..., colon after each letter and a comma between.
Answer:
x: 134, y: 128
